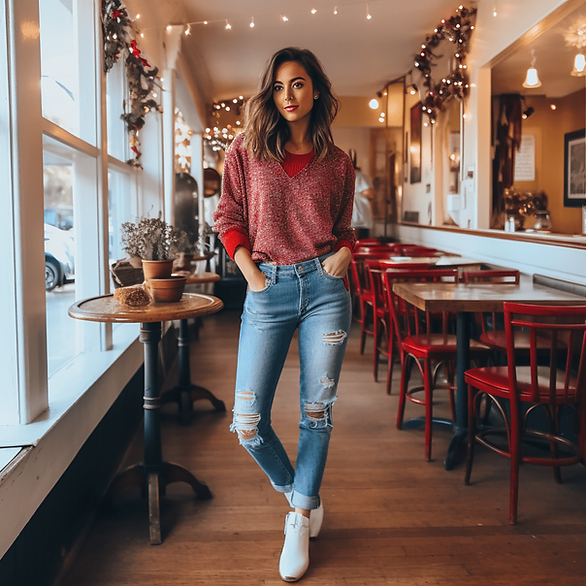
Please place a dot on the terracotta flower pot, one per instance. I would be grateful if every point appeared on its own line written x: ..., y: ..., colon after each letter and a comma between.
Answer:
x: 170, y: 289
x: 157, y: 269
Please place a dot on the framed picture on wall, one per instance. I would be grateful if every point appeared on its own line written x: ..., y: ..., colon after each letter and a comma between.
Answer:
x: 575, y: 168
x: 415, y: 145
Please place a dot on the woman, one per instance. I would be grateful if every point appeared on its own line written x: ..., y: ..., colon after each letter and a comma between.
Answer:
x: 284, y: 217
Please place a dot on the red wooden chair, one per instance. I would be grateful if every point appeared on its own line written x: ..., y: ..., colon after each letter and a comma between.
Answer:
x: 365, y: 296
x: 380, y: 312
x: 420, y: 345
x: 558, y: 381
x: 491, y: 336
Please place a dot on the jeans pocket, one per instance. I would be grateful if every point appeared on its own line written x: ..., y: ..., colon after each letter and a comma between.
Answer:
x: 327, y: 275
x: 265, y: 288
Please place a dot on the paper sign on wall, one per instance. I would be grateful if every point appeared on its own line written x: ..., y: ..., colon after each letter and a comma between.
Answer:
x: 525, y: 159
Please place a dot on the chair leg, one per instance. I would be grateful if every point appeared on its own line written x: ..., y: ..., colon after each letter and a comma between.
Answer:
x: 471, y: 434
x: 428, y: 391
x: 555, y: 430
x: 376, y: 341
x: 515, y: 450
x: 362, y: 326
x: 403, y: 390
x: 390, y: 348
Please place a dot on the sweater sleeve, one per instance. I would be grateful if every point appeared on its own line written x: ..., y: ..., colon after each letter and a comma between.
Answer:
x: 342, y: 226
x: 231, y: 217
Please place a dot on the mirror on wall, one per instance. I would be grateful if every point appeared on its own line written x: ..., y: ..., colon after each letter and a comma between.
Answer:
x: 538, y: 144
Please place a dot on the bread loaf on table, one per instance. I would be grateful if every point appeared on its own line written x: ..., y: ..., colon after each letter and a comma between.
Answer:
x: 133, y: 296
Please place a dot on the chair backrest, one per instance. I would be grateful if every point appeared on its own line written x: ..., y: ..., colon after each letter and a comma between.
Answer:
x: 376, y: 284
x: 504, y: 276
x: 359, y: 275
x: 416, y: 250
x: 490, y: 276
x: 406, y: 320
x: 562, y: 377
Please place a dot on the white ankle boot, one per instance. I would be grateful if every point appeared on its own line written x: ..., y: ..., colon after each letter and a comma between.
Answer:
x: 316, y: 516
x: 295, y: 554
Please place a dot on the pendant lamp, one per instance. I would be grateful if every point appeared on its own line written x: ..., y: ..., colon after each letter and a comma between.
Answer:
x: 579, y: 65
x: 532, y: 79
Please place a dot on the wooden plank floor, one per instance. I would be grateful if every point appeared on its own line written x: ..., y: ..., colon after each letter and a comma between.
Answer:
x: 390, y: 517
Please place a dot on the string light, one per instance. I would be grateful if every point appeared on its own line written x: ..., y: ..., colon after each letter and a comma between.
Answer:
x: 252, y: 24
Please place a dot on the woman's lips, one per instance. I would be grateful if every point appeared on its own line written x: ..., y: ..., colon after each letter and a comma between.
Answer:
x: 291, y: 108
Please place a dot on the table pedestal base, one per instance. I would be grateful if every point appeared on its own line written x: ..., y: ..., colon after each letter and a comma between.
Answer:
x: 185, y: 393
x: 152, y: 481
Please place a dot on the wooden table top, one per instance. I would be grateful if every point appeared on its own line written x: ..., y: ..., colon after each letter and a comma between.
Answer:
x: 481, y: 296
x: 105, y: 309
x: 437, y: 261
x: 205, y: 277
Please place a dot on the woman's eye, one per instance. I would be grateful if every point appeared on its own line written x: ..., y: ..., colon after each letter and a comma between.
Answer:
x: 298, y: 85
x: 277, y: 88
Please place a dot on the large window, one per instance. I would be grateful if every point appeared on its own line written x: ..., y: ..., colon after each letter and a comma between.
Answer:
x: 67, y: 66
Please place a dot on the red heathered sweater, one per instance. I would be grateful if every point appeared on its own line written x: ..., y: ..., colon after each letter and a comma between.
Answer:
x: 285, y: 219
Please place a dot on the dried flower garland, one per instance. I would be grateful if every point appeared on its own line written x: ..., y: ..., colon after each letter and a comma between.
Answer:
x: 117, y: 30
x: 456, y: 30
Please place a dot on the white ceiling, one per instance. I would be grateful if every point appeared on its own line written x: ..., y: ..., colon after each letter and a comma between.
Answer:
x: 359, y: 55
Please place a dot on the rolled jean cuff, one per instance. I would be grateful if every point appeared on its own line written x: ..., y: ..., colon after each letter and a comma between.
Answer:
x: 304, y: 502
x: 287, y: 489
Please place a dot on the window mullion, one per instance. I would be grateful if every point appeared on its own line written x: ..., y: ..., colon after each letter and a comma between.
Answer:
x: 27, y: 165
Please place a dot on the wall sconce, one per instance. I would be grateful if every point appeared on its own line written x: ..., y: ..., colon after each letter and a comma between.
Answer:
x: 373, y: 104
x: 532, y: 79
x: 579, y: 65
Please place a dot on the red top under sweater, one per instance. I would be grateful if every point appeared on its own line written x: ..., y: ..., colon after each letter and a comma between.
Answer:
x: 284, y: 219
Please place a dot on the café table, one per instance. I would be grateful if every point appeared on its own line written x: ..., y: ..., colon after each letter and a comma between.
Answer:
x: 153, y: 474
x: 444, y: 262
x: 465, y: 300
x: 185, y: 393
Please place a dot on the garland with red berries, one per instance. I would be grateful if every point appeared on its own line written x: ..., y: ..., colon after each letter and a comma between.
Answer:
x: 117, y: 31
x: 457, y: 30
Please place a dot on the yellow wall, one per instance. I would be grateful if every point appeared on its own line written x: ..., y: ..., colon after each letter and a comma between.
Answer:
x: 549, y: 127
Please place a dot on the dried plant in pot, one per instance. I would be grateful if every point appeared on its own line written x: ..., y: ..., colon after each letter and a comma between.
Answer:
x: 148, y: 242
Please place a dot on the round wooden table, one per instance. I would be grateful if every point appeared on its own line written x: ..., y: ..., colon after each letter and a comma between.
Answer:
x: 186, y: 393
x: 153, y: 474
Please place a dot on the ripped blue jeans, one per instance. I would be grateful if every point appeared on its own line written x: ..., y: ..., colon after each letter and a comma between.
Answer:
x: 305, y: 298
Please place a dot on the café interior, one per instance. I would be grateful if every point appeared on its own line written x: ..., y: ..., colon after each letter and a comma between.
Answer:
x: 469, y: 121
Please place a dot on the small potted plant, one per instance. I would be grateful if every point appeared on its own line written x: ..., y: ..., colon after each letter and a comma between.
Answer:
x: 148, y: 243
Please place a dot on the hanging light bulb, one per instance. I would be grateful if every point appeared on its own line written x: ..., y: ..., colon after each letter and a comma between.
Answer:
x: 579, y: 65
x: 532, y: 79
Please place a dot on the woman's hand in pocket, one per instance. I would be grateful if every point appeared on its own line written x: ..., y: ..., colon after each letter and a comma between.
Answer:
x: 337, y: 264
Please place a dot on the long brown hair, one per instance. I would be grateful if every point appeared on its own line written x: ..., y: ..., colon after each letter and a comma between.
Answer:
x: 266, y: 131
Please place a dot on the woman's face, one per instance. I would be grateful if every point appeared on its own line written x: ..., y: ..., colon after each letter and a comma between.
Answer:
x: 293, y: 92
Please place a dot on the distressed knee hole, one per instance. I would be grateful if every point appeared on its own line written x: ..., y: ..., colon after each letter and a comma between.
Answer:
x: 315, y: 410
x: 335, y: 338
x: 246, y: 425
